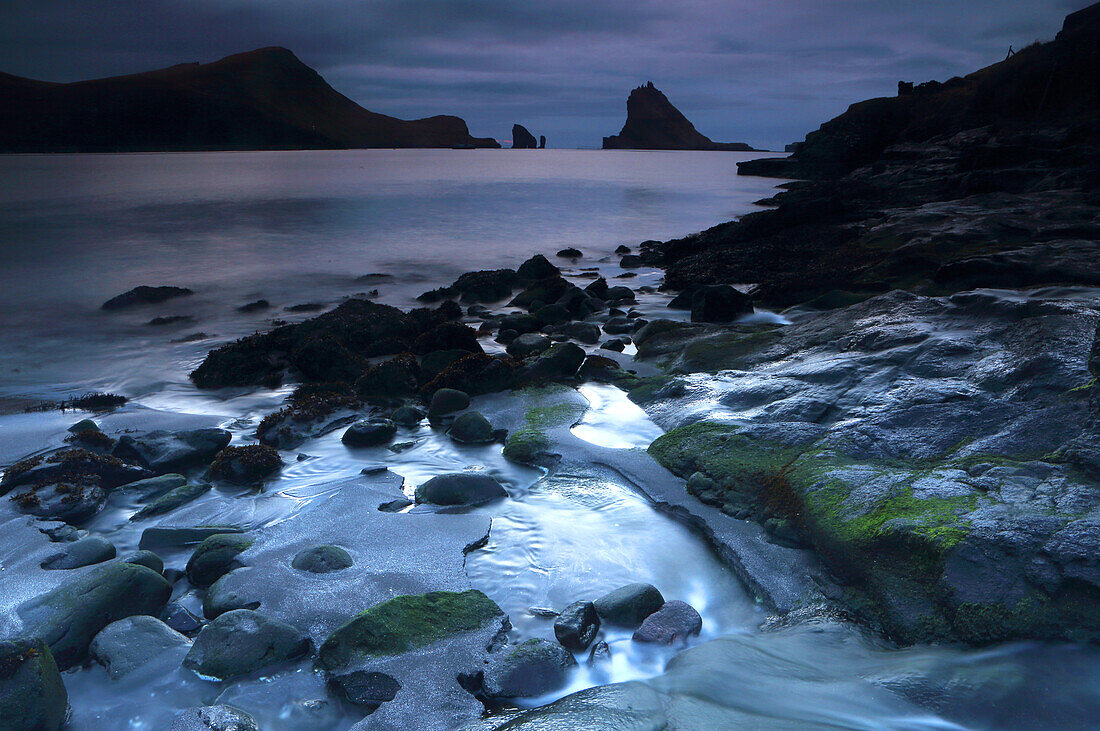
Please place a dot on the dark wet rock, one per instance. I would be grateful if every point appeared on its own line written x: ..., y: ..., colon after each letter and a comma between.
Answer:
x: 542, y: 292
x: 577, y: 625
x: 528, y: 344
x: 471, y: 428
x: 601, y: 369
x: 585, y: 332
x: 84, y: 425
x: 480, y: 286
x: 601, y: 652
x: 460, y: 488
x: 570, y: 253
x: 395, y: 506
x: 247, y: 465
x: 628, y: 606
x: 322, y: 559
x: 542, y: 142
x: 242, y: 641
x: 597, y: 288
x: 619, y: 294
x: 172, y: 499
x: 163, y: 451
x: 84, y: 552
x: 719, y: 303
x: 561, y: 361
x: 72, y: 464
x: 537, y: 267
x: 631, y: 261
x: 448, y: 336
x: 405, y: 623
x: 148, y: 559
x: 181, y: 619
x: 153, y: 487
x: 255, y: 306
x: 552, y: 315
x: 616, y: 345
x: 369, y: 433
x: 74, y: 500
x: 580, y: 304
x: 165, y: 320
x: 312, y: 410
x: 520, y: 324
x: 506, y: 336
x: 144, y: 295
x: 32, y: 693
x: 215, y: 557
x: 306, y: 307
x: 407, y: 416
x: 622, y: 249
x: 474, y: 374
x: 167, y: 537
x: 221, y: 598
x: 68, y: 617
x: 369, y: 689
x: 673, y: 622
x: 392, y: 379
x: 448, y: 401
x: 619, y: 325
x: 527, y: 670
x: 126, y: 645
x: 214, y: 718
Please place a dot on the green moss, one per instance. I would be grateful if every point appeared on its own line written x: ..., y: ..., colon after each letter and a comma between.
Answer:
x: 407, y: 622
x: 727, y: 351
x: 645, y: 390
x: 526, y: 446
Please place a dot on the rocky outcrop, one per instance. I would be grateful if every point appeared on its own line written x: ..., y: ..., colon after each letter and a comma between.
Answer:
x: 652, y: 123
x: 263, y: 99
x: 522, y: 139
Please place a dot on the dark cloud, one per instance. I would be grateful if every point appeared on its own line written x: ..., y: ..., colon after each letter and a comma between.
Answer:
x: 762, y: 72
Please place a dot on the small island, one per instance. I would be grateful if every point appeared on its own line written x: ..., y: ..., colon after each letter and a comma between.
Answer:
x: 653, y: 123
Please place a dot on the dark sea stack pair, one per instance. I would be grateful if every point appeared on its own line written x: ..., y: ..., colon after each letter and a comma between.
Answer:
x: 226, y: 105
x: 652, y: 123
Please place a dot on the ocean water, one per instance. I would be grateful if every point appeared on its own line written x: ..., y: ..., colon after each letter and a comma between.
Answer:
x: 300, y: 227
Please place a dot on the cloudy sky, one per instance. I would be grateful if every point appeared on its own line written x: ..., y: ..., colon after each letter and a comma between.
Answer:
x: 759, y: 71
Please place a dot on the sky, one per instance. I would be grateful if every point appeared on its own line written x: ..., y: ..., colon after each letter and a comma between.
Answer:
x: 764, y: 72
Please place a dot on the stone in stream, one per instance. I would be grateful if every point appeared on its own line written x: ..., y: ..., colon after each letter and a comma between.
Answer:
x: 322, y: 559
x: 70, y: 616
x: 163, y: 451
x: 673, y: 622
x: 460, y: 488
x: 242, y: 641
x: 561, y: 361
x: 152, y: 487
x: 221, y: 598
x: 71, y: 466
x: 84, y: 552
x: 617, y: 345
x: 246, y: 465
x: 407, y: 416
x: 181, y: 619
x: 369, y: 433
x: 214, y: 718
x: 32, y: 693
x: 215, y: 557
x: 366, y: 688
x: 527, y: 670
x: 520, y: 324
x: 471, y: 428
x: 84, y: 425
x: 628, y: 606
x: 600, y: 652
x: 528, y: 344
x: 719, y: 303
x: 577, y: 625
x: 148, y: 559
x: 178, y: 537
x: 619, y: 325
x: 74, y: 501
x: 585, y: 332
x: 126, y: 645
x: 172, y: 499
x: 619, y: 294
x: 447, y: 401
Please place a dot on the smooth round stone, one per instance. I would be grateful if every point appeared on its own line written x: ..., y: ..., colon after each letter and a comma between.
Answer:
x: 84, y: 552
x: 369, y: 433
x: 242, y: 641
x: 148, y: 559
x: 527, y: 670
x: 460, y: 488
x: 629, y: 605
x: 577, y: 625
x: 471, y: 428
x: 126, y: 645
x: 32, y: 693
x: 322, y: 559
x: 408, y: 416
x: 447, y: 401
x: 675, y: 621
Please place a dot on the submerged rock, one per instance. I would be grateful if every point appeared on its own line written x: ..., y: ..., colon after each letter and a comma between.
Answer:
x: 719, y: 303
x: 32, y: 693
x: 577, y: 625
x: 214, y: 718
x: 673, y: 622
x: 172, y: 499
x: 246, y: 465
x: 144, y: 295
x: 128, y: 644
x: 460, y: 488
x: 70, y: 616
x: 561, y: 361
x: 530, y: 669
x: 369, y: 433
x: 628, y: 606
x: 242, y: 641
x: 322, y: 559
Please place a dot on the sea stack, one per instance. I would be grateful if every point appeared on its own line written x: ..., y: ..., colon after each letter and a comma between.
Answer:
x: 522, y: 139
x: 652, y: 123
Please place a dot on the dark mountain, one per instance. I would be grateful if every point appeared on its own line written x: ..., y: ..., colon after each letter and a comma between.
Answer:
x: 263, y: 99
x: 652, y: 123
x: 522, y: 139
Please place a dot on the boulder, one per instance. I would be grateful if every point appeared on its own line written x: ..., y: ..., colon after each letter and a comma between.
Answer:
x: 537, y: 267
x: 460, y: 488
x: 369, y: 433
x: 628, y: 606
x: 528, y: 344
x: 619, y: 325
x: 366, y: 688
x: 215, y: 557
x: 148, y: 559
x: 70, y: 616
x: 619, y: 294
x: 471, y: 428
x: 144, y: 295
x: 84, y: 425
x: 585, y: 332
x: 72, y: 500
x: 322, y: 559
x: 448, y: 336
x: 673, y: 622
x: 391, y: 379
x: 181, y: 619
x: 246, y: 465
x: 597, y: 288
x: 527, y: 670
x: 163, y: 451
x: 447, y: 401
x: 242, y: 641
x: 719, y: 303
x: 622, y: 249
x: 577, y: 625
x: 172, y: 500
x: 129, y: 643
x: 616, y: 345
x: 214, y: 718
x: 84, y: 552
x: 407, y: 416
x: 154, y: 486
x: 552, y: 315
x: 570, y: 253
x: 32, y: 693
x: 561, y: 361
x: 71, y: 466
x: 520, y: 324
x: 630, y: 261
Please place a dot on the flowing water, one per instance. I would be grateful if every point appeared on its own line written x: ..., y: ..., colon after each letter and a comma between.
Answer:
x: 295, y: 227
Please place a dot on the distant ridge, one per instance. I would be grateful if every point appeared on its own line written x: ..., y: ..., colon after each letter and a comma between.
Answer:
x: 262, y: 99
x: 652, y: 123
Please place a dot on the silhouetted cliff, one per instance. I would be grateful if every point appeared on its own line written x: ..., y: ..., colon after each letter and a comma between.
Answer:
x: 523, y: 139
x: 263, y: 99
x: 652, y: 123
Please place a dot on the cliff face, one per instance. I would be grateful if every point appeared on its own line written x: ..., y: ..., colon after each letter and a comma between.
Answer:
x: 1045, y: 84
x: 263, y: 99
x: 652, y: 123
x: 523, y: 139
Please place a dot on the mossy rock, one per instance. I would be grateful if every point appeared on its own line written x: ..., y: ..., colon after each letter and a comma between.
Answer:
x: 526, y: 446
x: 405, y: 623
x: 32, y: 694
x: 215, y: 557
